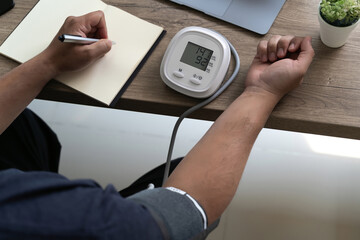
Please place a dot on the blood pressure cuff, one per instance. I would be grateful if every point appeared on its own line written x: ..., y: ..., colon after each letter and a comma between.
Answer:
x: 178, y: 215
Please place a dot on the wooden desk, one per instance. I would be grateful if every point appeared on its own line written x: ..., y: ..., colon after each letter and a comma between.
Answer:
x: 328, y: 102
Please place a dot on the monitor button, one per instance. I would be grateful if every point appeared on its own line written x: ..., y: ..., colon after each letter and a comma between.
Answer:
x: 178, y: 74
x: 195, y: 81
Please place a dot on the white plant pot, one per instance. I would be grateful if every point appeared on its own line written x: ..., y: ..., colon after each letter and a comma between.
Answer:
x: 333, y: 36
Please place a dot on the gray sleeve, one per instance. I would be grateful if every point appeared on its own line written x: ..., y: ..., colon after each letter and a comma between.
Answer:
x: 176, y: 214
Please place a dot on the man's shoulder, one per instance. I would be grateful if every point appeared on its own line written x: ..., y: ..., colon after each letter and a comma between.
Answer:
x: 67, y: 207
x: 41, y: 187
x: 19, y: 180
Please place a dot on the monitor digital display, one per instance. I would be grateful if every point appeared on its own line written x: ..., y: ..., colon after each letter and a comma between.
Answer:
x: 196, y: 56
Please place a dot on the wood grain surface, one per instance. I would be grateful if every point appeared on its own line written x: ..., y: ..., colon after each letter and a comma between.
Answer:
x: 327, y: 103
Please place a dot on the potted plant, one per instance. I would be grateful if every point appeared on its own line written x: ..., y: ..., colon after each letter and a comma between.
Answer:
x: 338, y: 18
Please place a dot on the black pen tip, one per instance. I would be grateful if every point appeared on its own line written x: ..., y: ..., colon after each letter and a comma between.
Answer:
x: 61, y: 38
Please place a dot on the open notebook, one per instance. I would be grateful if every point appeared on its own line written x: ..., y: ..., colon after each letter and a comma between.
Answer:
x: 104, y: 80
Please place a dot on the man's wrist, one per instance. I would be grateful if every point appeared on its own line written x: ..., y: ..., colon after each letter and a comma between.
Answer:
x: 254, y: 105
x: 263, y: 94
x: 48, y: 67
x: 249, y: 111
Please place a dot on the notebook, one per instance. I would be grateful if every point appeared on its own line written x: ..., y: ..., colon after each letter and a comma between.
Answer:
x: 254, y: 15
x: 106, y: 79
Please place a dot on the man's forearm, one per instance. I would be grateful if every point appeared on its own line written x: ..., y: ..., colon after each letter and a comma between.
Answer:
x: 20, y: 86
x: 212, y: 170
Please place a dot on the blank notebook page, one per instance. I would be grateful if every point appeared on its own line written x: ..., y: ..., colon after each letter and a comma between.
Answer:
x: 102, y: 80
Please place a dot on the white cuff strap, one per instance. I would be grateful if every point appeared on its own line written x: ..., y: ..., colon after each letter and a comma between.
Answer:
x: 199, y: 208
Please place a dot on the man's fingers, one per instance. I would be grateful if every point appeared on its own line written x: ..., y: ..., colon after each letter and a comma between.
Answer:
x: 277, y: 47
x: 99, y: 49
x: 272, y: 48
x: 90, y: 25
x: 306, y: 54
x: 295, y: 44
x: 262, y: 51
x: 95, y: 23
x: 283, y: 46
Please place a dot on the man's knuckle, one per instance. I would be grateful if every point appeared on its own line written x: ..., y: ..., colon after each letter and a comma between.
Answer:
x: 107, y: 47
x: 274, y: 39
x: 262, y: 44
x: 87, y: 54
x: 97, y: 14
x: 70, y: 20
x: 312, y: 52
x: 101, y: 13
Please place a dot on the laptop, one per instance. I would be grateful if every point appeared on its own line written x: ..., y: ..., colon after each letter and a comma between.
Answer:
x: 254, y: 15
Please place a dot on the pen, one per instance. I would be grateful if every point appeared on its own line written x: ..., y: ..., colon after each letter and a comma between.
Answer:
x: 67, y: 38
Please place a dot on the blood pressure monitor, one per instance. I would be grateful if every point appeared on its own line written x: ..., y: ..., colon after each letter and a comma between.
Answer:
x: 196, y: 62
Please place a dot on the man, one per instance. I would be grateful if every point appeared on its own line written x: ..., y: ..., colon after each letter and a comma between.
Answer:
x: 38, y: 203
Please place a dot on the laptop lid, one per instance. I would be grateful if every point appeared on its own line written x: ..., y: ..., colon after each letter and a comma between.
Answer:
x: 254, y: 15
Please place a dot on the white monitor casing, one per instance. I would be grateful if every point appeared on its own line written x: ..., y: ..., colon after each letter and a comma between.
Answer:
x: 191, y: 80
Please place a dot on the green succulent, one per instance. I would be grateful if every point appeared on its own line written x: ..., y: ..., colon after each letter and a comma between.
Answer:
x: 340, y: 12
